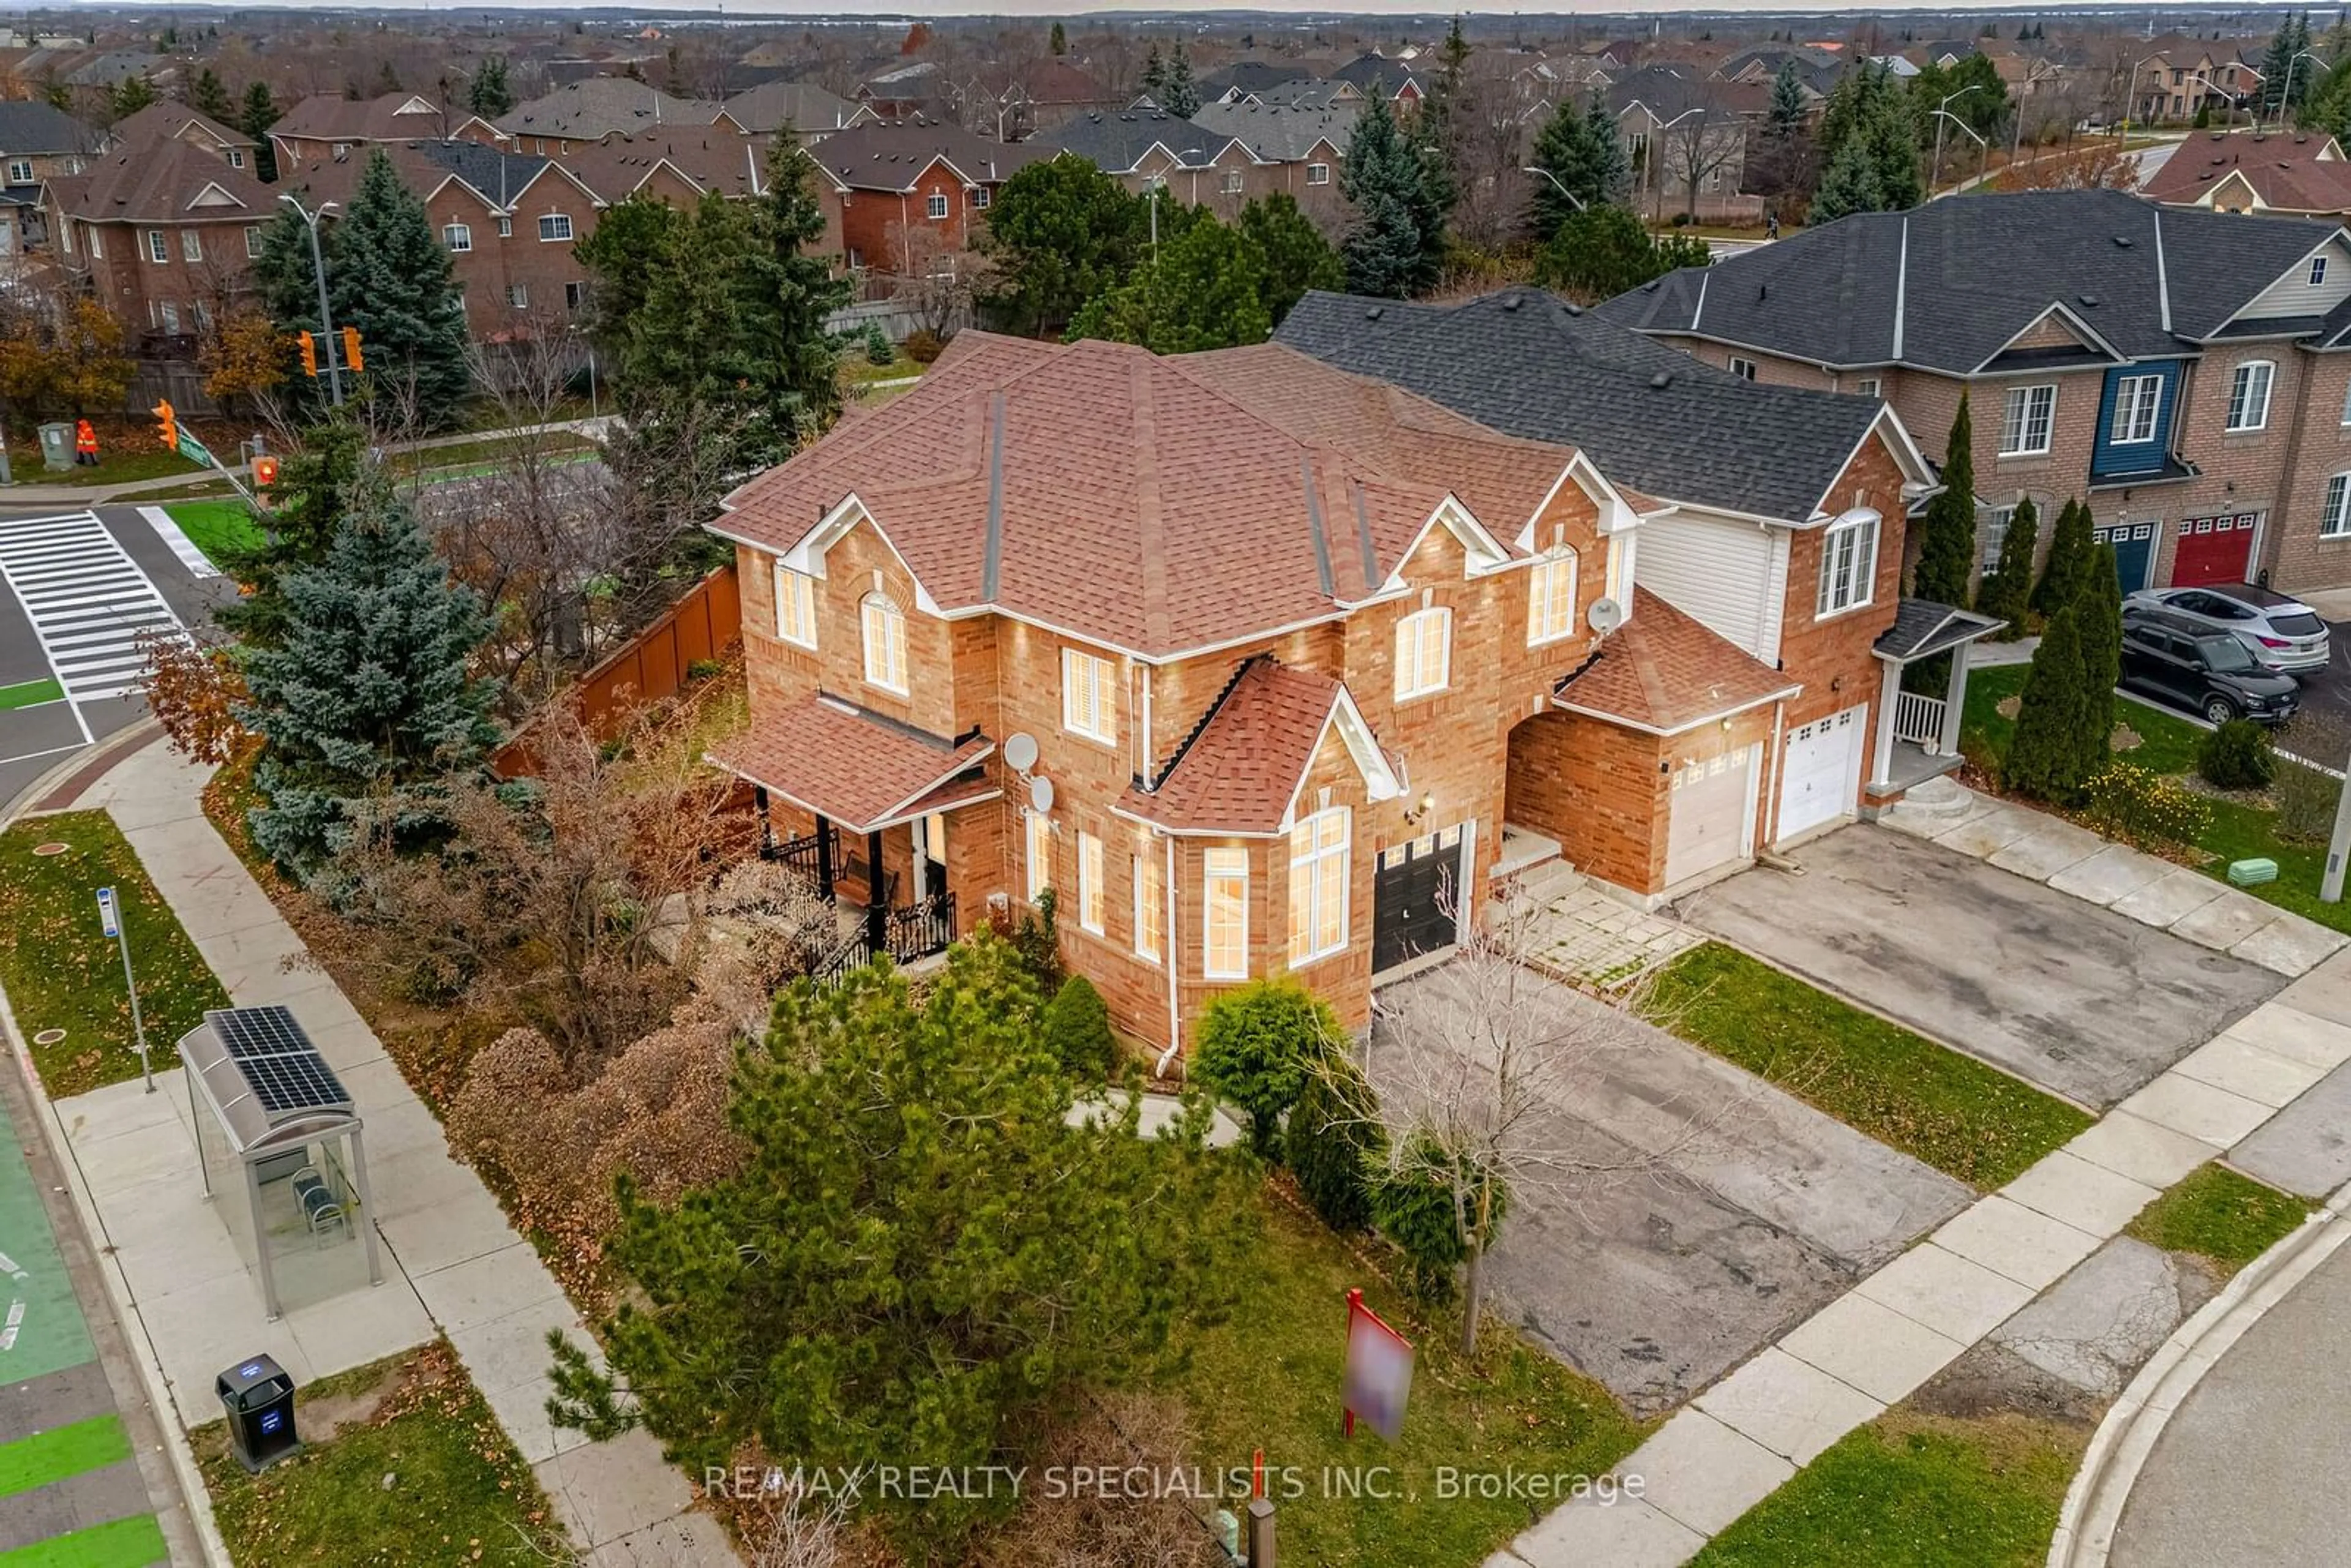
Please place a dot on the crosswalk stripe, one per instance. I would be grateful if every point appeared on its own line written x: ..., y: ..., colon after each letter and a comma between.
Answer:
x: 88, y: 602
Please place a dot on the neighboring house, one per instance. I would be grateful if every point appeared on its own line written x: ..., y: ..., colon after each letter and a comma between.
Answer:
x: 583, y: 113
x: 163, y: 234
x: 1246, y: 78
x: 1146, y: 150
x: 681, y: 167
x: 508, y: 220
x: 168, y: 122
x: 1751, y: 698
x: 1687, y: 134
x: 917, y: 90
x: 39, y: 142
x: 1299, y: 152
x: 1816, y: 70
x: 328, y: 129
x: 2299, y: 174
x: 807, y: 109
x: 1378, y: 73
x: 2174, y: 76
x: 1038, y: 97
x: 2183, y: 371
x: 888, y: 182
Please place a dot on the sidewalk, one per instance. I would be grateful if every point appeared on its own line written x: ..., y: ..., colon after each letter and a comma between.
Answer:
x: 1743, y: 1438
x: 454, y: 1265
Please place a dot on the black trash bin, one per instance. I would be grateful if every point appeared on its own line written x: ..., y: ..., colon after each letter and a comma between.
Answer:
x: 258, y: 1396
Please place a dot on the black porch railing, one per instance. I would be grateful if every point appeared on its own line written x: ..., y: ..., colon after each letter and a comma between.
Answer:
x: 803, y: 854
x: 921, y: 929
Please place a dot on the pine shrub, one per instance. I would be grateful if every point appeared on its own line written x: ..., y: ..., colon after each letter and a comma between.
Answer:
x: 2237, y: 756
x: 1077, y: 1028
x: 1257, y: 1044
x: 1332, y: 1145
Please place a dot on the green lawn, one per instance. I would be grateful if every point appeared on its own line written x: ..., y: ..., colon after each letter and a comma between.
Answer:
x: 2168, y: 744
x: 1950, y: 1111
x: 427, y: 1478
x: 62, y: 972
x: 2218, y: 1215
x: 1269, y: 1377
x: 219, y: 529
x: 121, y: 458
x: 1913, y: 1490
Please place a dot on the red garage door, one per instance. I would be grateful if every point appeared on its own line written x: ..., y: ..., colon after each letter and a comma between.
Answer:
x: 2214, y: 549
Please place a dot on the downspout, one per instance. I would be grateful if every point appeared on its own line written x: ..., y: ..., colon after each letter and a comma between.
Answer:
x: 1173, y: 954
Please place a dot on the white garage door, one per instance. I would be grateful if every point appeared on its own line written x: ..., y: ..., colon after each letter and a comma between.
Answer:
x: 1710, y: 806
x: 1823, y: 773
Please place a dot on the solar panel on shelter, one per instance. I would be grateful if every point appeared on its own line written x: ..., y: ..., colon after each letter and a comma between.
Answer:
x: 276, y: 1059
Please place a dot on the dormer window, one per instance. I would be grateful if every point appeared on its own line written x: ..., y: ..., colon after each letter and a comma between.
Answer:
x: 2317, y: 270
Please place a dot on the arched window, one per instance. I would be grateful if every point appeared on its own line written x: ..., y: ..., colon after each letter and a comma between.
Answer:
x: 884, y: 626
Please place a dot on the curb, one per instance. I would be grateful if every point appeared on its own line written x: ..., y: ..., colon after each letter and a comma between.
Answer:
x: 2119, y: 1451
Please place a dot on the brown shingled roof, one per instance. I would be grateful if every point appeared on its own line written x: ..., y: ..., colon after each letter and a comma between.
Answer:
x: 2302, y: 172
x: 1665, y: 672
x: 1241, y: 772
x: 164, y: 181
x: 859, y: 770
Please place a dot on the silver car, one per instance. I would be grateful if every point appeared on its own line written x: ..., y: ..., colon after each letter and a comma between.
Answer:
x: 2284, y: 635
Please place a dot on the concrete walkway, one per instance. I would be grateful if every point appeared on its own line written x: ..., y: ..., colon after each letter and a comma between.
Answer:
x: 454, y: 1264
x: 1742, y: 1439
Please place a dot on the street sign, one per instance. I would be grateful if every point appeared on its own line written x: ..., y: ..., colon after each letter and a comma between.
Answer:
x: 195, y: 451
x: 110, y: 919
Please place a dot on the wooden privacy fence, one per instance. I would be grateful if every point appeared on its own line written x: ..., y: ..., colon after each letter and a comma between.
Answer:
x: 652, y: 667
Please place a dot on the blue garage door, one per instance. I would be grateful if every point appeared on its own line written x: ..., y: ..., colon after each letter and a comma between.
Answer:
x: 2133, y: 552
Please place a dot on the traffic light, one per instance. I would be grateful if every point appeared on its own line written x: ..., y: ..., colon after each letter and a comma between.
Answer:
x: 352, y: 361
x: 167, y: 426
x: 265, y: 472
x: 309, y: 355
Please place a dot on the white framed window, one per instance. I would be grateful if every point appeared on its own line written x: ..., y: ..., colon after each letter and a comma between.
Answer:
x: 2138, y: 400
x: 2249, y: 394
x: 1089, y: 883
x: 1868, y: 386
x: 192, y: 246
x: 979, y: 198
x: 795, y: 607
x: 1551, y: 599
x: 97, y: 241
x: 1150, y: 909
x: 885, y: 628
x: 555, y: 225
x: 20, y: 171
x: 2317, y: 270
x: 1088, y: 697
x: 236, y: 157
x: 1317, y: 173
x: 2335, y: 517
x: 506, y: 228
x: 1743, y: 368
x: 518, y: 295
x: 252, y: 244
x: 1995, y: 533
x: 1423, y: 652
x: 1037, y: 843
x: 1232, y: 183
x: 934, y: 205
x: 2026, y: 421
x: 1223, y: 925
x: 170, y: 316
x: 1848, y: 567
x: 573, y: 293
x: 458, y: 237
x: 1319, y: 848
x: 158, y: 245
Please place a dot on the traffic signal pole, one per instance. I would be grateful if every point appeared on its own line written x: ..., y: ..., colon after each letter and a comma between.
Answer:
x: 318, y: 271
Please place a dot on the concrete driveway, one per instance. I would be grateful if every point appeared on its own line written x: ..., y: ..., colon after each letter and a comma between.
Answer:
x: 2082, y: 1002
x: 1714, y: 1212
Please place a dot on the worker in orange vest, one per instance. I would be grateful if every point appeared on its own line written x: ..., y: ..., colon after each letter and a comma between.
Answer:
x: 85, y: 444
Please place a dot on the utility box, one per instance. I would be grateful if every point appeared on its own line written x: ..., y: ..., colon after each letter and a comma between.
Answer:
x: 258, y: 1398
x: 57, y: 447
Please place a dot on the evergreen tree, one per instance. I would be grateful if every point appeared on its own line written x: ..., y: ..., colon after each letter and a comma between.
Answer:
x: 1858, y: 96
x: 1154, y: 74
x: 1395, y: 246
x: 1440, y: 110
x: 1849, y: 186
x: 2098, y: 623
x: 131, y: 95
x: 792, y: 293
x: 2008, y: 587
x: 2291, y: 38
x: 1205, y: 289
x: 1948, y: 551
x: 2045, y: 756
x: 1892, y: 138
x: 1578, y: 147
x: 390, y: 277
x: 1786, y: 115
x: 1291, y: 251
x: 1059, y: 232
x: 320, y: 484
x: 486, y: 92
x: 1179, y: 96
x: 2068, y: 560
x: 209, y: 96
x: 370, y: 695
x: 631, y: 240
x: 387, y: 79
x: 254, y: 116
x: 1059, y: 42
x: 1602, y: 251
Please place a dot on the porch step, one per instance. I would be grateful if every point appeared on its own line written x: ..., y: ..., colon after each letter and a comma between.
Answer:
x: 1944, y: 797
x: 1523, y: 849
x: 1540, y: 883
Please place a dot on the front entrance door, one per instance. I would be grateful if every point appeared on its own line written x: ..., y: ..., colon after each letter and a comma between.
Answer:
x: 1416, y: 895
x: 2133, y: 552
x: 930, y: 853
x: 2214, y: 549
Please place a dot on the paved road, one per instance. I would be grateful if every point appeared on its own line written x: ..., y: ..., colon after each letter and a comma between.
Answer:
x: 2254, y: 1469
x: 76, y: 587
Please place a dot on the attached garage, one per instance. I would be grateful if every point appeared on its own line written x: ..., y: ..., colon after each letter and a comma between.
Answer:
x: 1820, y: 771
x: 1416, y: 893
x: 1710, y: 806
x: 2214, y: 549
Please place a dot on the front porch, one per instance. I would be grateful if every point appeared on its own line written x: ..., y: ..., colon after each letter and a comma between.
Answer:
x: 854, y: 876
x: 1918, y: 733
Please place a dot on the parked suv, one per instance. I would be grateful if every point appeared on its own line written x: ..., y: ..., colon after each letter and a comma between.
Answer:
x: 2284, y: 635
x: 2212, y: 671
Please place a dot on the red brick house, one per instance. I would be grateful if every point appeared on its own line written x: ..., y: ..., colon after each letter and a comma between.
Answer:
x: 1259, y: 665
x: 329, y: 128
x: 885, y: 182
x: 163, y: 234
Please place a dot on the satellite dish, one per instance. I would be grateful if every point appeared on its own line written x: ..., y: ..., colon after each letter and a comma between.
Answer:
x: 1040, y: 795
x: 1020, y: 751
x: 1606, y: 615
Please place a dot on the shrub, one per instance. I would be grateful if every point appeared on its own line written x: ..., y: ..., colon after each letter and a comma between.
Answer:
x: 1332, y: 1145
x: 1037, y: 940
x: 878, y: 350
x: 923, y: 346
x: 2237, y: 756
x: 1417, y: 1216
x: 2131, y: 803
x: 1077, y: 1028
x: 1256, y: 1045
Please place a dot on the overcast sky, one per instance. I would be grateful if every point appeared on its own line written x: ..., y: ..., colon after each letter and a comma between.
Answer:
x: 1831, y: 21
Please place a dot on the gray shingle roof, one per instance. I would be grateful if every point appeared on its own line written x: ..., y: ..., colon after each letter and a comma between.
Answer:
x: 1652, y: 417
x: 1114, y: 143
x: 1277, y: 135
x: 499, y: 176
x: 31, y: 128
x: 1966, y: 274
x: 1922, y: 627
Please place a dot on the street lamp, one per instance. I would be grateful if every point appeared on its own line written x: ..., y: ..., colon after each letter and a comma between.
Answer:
x: 2228, y: 101
x: 1538, y: 169
x: 1944, y: 109
x: 1657, y: 181
x: 2285, y: 99
x: 319, y: 269
x: 1158, y: 183
x: 1983, y: 168
x: 2130, y: 95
